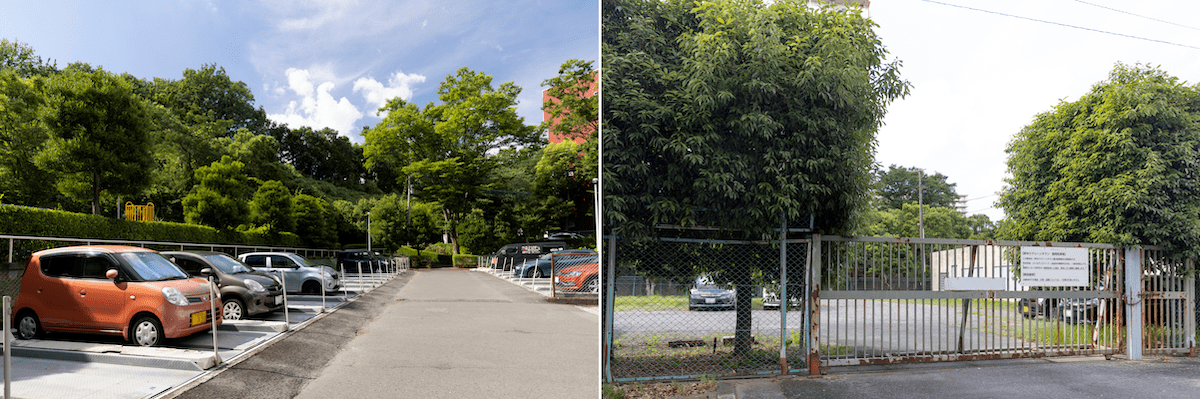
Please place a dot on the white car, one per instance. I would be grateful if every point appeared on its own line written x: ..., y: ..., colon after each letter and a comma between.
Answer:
x: 299, y: 276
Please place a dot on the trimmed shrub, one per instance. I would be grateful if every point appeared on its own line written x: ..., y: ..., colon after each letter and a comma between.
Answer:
x: 20, y: 220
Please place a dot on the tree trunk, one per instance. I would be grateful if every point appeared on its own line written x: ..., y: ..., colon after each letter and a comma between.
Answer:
x: 743, y: 341
x: 95, y: 192
x: 450, y: 227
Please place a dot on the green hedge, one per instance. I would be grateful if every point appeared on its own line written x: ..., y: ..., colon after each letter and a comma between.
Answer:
x: 466, y: 261
x: 20, y: 220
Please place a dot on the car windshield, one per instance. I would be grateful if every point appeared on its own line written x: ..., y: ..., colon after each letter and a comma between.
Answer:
x: 227, y: 264
x: 150, y: 266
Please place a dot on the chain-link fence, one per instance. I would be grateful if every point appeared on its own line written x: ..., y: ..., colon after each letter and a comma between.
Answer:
x: 686, y: 308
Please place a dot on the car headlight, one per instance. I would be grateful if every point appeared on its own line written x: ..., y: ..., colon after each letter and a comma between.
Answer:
x: 254, y: 286
x: 328, y: 277
x: 575, y: 273
x: 174, y: 296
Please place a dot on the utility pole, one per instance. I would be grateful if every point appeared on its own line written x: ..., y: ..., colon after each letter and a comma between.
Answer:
x: 920, y: 203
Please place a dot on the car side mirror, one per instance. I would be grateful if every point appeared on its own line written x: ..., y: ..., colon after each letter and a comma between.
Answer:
x: 207, y: 272
x: 114, y: 275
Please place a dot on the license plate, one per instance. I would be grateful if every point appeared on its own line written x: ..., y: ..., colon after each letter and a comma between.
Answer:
x: 279, y: 300
x: 556, y: 280
x: 710, y: 300
x: 199, y: 318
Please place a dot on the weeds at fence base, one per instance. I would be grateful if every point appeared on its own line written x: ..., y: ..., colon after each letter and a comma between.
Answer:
x: 672, y: 356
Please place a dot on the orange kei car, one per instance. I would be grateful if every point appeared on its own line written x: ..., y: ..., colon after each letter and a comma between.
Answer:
x: 578, y: 278
x: 131, y: 292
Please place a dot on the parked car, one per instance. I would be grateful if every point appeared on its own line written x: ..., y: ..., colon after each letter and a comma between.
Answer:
x: 579, y: 278
x: 563, y: 235
x: 540, y: 267
x: 770, y: 298
x: 129, y: 292
x: 244, y: 291
x: 706, y: 294
x: 350, y: 261
x: 299, y: 276
x: 514, y: 254
x: 1034, y: 307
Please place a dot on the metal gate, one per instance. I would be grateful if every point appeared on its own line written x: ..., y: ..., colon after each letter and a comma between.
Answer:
x: 882, y: 300
x: 901, y: 300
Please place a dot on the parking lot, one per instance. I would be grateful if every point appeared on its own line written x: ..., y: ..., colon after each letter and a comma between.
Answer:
x: 95, y: 366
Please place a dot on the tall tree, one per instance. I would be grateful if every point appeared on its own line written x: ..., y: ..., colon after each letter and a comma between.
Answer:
x: 898, y: 186
x: 445, y: 147
x: 220, y: 195
x: 208, y: 99
x: 99, y: 135
x: 732, y: 113
x: 271, y: 206
x: 572, y: 104
x: 22, y: 132
x: 1116, y: 166
x: 20, y: 58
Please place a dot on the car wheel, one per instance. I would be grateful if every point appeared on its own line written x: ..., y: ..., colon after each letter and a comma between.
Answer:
x: 28, y: 326
x: 592, y: 285
x: 147, y: 331
x: 537, y: 273
x: 233, y: 309
x: 311, y: 287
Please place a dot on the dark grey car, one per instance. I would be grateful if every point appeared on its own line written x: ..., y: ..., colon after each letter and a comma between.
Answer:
x: 706, y: 294
x: 244, y: 291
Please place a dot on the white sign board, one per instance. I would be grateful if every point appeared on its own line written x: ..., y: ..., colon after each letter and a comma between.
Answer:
x: 974, y: 284
x: 1054, y: 267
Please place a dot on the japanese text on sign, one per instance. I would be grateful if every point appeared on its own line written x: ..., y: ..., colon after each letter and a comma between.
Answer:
x: 1054, y: 267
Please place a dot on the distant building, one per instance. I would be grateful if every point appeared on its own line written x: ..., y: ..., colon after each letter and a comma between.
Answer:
x: 591, y: 91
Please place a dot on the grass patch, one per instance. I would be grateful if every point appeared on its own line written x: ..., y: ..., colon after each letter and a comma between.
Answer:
x: 651, y: 303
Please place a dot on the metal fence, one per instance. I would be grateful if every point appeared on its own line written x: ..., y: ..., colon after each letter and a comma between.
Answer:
x: 722, y: 318
x: 686, y: 308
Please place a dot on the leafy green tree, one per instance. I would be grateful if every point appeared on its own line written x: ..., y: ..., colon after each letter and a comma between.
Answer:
x: 573, y: 104
x: 393, y: 224
x: 1116, y: 166
x: 562, y: 182
x: 220, y: 195
x: 22, y: 132
x: 940, y: 222
x: 98, y: 137
x: 898, y: 186
x: 271, y: 206
x: 321, y: 154
x: 209, y: 100
x: 21, y: 59
x: 445, y: 147
x: 735, y: 114
x: 314, y: 220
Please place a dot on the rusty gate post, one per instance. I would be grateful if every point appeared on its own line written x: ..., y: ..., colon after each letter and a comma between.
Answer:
x: 1133, y: 302
x: 783, y: 298
x: 1189, y: 317
x: 814, y: 306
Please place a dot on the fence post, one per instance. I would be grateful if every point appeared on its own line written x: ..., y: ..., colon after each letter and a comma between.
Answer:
x: 8, y: 345
x: 813, y: 304
x: 1133, y: 302
x: 609, y: 302
x: 1189, y: 316
x: 783, y: 297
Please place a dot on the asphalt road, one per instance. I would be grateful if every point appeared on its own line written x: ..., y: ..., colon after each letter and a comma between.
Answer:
x: 1074, y: 377
x: 441, y: 333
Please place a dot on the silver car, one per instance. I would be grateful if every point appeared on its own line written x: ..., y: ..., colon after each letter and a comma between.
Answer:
x: 299, y: 276
x: 706, y: 294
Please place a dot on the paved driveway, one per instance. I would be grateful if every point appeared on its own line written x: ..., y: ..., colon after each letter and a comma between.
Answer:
x: 452, y: 333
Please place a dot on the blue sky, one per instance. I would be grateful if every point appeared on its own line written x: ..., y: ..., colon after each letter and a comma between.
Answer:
x: 319, y: 63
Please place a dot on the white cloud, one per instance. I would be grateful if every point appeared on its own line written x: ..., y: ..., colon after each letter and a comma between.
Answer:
x: 325, y: 12
x: 398, y: 85
x: 317, y: 108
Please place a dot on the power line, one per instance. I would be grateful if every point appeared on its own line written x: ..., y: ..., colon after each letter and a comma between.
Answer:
x: 1136, y: 15
x: 1062, y: 24
x: 986, y: 196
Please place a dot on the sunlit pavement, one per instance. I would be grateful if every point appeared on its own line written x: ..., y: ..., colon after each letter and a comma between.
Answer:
x: 92, y: 366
